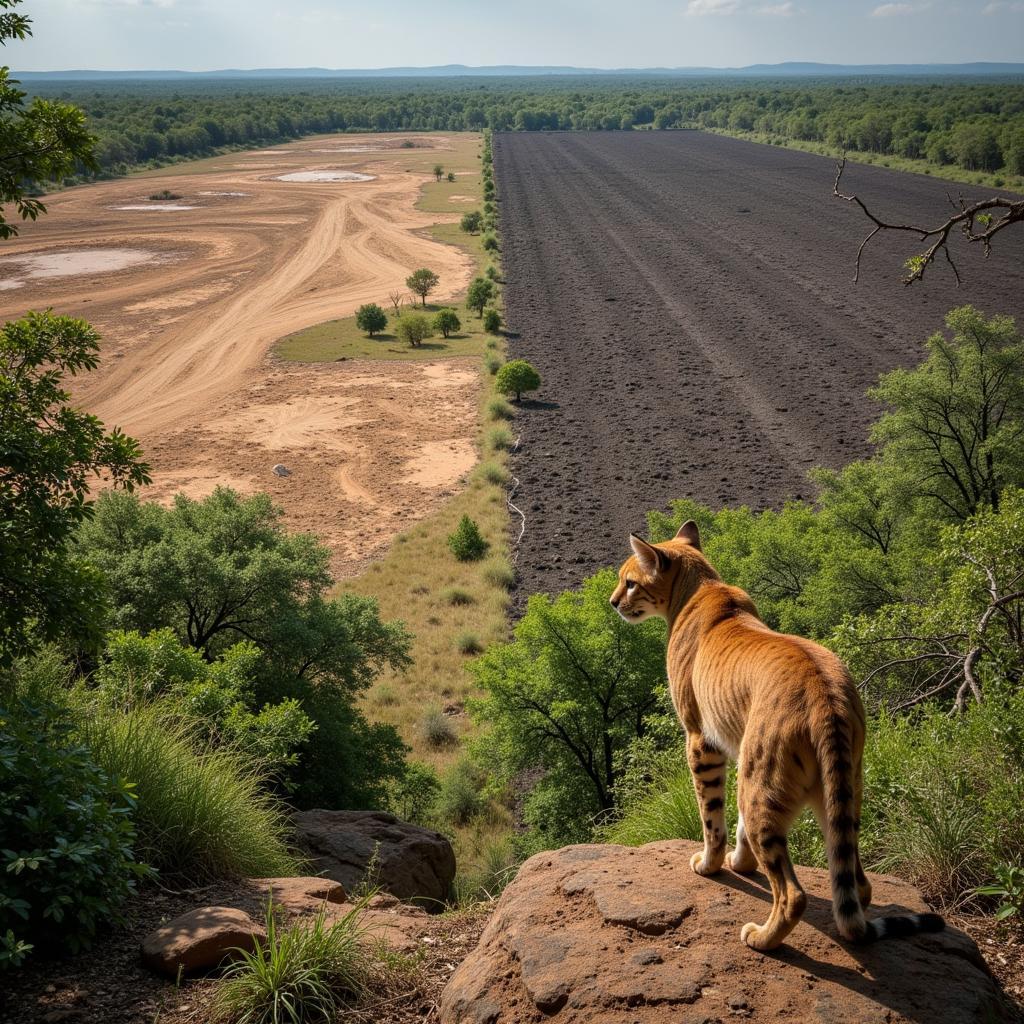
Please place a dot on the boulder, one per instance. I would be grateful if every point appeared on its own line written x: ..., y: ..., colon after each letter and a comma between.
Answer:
x: 199, y: 940
x: 299, y: 895
x: 409, y: 862
x: 632, y: 936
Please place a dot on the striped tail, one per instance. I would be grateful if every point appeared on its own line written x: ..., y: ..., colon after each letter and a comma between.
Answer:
x: 842, y: 827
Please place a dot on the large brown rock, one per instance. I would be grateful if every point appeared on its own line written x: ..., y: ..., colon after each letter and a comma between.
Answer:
x: 200, y: 939
x: 412, y: 863
x: 616, y: 935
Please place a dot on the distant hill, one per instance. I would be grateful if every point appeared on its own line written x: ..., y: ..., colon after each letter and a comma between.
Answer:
x: 790, y: 69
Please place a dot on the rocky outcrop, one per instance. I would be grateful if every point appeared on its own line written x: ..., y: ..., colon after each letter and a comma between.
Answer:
x: 375, y: 848
x: 199, y: 940
x: 616, y: 935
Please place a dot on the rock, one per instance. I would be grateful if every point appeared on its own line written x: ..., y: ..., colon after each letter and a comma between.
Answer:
x: 411, y: 863
x: 200, y: 939
x: 280, y: 470
x: 633, y: 936
x: 300, y: 895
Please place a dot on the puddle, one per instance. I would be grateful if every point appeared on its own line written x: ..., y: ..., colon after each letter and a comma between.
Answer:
x: 72, y: 262
x: 156, y: 206
x: 225, y: 193
x: 324, y: 176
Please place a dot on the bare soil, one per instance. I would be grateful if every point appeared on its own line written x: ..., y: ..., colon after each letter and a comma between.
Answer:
x: 188, y: 325
x: 688, y: 301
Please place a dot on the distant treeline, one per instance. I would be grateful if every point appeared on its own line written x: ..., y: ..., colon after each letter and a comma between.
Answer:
x: 977, y: 126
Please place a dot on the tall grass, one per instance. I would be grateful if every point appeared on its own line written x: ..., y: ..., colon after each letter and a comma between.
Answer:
x: 202, y: 812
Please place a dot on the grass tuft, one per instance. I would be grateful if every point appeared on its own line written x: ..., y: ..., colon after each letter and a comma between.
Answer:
x: 437, y: 729
x: 468, y: 643
x: 457, y: 597
x: 499, y: 439
x: 499, y: 408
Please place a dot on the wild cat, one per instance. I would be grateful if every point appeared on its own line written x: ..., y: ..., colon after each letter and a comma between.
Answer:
x: 786, y: 710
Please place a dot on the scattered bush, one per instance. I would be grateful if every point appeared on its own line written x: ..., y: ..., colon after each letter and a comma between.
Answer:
x: 494, y: 474
x: 499, y: 409
x: 471, y: 222
x: 492, y: 321
x: 451, y: 176
x: 422, y: 282
x: 466, y: 543
x: 457, y: 597
x: 446, y: 321
x: 460, y: 798
x: 516, y: 377
x: 492, y: 363
x: 499, y: 439
x: 491, y: 273
x: 490, y: 243
x: 412, y: 796
x: 413, y: 328
x: 66, y: 836
x: 202, y: 812
x: 468, y: 643
x: 164, y: 194
x: 371, y: 318
x: 480, y: 292
x: 437, y: 730
x: 438, y: 171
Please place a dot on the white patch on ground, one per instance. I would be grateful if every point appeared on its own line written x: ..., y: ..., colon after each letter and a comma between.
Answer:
x: 324, y: 176
x: 350, y: 149
x: 73, y: 261
x: 6, y: 286
x: 225, y: 193
x: 156, y: 206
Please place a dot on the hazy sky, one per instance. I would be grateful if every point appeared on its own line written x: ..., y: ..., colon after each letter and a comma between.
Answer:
x: 208, y: 34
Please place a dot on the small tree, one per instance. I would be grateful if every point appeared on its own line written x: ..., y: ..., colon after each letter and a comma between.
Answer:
x: 471, y: 221
x: 451, y: 175
x: 492, y: 273
x: 466, y: 542
x: 422, y: 282
x: 490, y: 243
x: 446, y: 321
x: 396, y: 299
x: 516, y: 377
x: 481, y: 291
x: 438, y: 171
x: 371, y: 318
x: 413, y: 328
x: 492, y: 321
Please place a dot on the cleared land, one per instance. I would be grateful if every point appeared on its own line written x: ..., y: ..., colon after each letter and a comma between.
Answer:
x: 688, y: 300
x: 190, y: 293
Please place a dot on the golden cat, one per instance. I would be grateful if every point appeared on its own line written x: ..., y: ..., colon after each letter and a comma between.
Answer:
x: 785, y: 709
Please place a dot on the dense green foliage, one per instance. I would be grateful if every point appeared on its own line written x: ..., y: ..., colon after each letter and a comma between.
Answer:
x: 972, y: 125
x: 49, y: 451
x: 371, y: 318
x: 517, y: 376
x: 224, y: 570
x: 422, y: 282
x: 467, y: 543
x: 66, y: 835
x: 413, y: 328
x: 481, y: 290
x: 446, y: 321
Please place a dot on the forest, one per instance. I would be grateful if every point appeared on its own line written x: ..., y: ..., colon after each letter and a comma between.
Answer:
x: 972, y: 126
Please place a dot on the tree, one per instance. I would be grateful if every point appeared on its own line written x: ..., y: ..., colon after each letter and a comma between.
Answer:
x: 471, y: 221
x: 451, y: 175
x: 38, y: 143
x: 568, y: 695
x: 481, y: 291
x: 371, y: 318
x: 467, y: 543
x: 492, y: 321
x: 438, y: 171
x: 224, y: 570
x: 422, y: 282
x: 49, y: 451
x: 396, y: 299
x: 490, y: 243
x: 446, y: 321
x: 517, y: 376
x: 413, y: 328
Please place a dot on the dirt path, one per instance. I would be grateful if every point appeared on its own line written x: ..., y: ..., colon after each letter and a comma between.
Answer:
x: 187, y: 329
x: 688, y: 301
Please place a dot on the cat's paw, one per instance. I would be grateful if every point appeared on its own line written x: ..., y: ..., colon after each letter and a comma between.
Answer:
x: 702, y: 867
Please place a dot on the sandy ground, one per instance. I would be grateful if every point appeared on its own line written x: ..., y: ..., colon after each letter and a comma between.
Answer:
x: 190, y: 301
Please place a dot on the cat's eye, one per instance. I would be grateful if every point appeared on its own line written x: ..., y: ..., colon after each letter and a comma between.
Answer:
x: 630, y: 584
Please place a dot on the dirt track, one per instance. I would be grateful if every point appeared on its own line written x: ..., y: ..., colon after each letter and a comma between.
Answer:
x: 688, y: 301
x: 186, y: 333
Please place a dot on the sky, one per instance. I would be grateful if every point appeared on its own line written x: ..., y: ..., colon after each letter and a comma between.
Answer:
x: 195, y: 35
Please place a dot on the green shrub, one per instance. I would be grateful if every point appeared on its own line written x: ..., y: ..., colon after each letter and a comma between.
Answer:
x: 66, y: 836
x: 304, y: 973
x: 413, y: 329
x: 490, y: 243
x: 412, y: 796
x: 492, y: 321
x: 371, y: 318
x: 446, y: 321
x: 517, y: 376
x: 471, y: 222
x: 499, y: 439
x: 494, y: 474
x: 467, y: 543
x: 491, y: 273
x: 460, y: 798
x: 1008, y: 888
x: 457, y: 597
x: 202, y: 812
x: 496, y: 866
x: 437, y: 729
x: 492, y: 363
x: 468, y: 643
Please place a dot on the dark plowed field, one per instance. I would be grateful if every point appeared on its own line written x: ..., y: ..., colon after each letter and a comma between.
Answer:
x: 688, y: 300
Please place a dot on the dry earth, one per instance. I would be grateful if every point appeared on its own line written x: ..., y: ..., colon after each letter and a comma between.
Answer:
x: 688, y: 300
x: 189, y: 294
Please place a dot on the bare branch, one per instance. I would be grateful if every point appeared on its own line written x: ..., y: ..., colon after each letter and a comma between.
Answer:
x: 969, y: 217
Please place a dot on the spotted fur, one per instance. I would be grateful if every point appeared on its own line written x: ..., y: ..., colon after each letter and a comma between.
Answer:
x: 786, y: 710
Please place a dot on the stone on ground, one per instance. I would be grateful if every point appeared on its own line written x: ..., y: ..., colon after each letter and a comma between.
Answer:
x: 373, y: 848
x: 200, y: 939
x: 632, y: 936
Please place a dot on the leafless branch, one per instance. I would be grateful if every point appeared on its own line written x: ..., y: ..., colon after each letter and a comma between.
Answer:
x: 973, y: 219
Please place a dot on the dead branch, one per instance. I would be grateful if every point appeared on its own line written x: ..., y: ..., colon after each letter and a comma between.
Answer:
x: 972, y: 218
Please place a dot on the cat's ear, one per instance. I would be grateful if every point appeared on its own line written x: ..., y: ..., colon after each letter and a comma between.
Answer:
x: 650, y: 558
x: 690, y: 533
